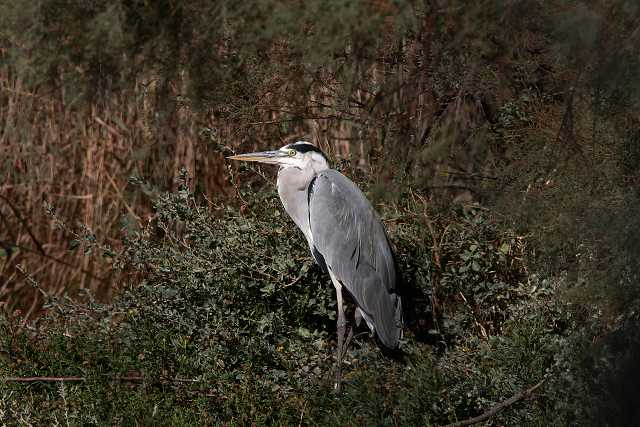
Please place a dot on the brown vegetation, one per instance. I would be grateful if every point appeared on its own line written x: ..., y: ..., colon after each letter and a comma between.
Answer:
x: 78, y: 158
x: 408, y: 112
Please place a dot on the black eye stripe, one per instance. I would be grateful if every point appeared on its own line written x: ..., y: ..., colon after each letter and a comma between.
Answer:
x: 304, y: 147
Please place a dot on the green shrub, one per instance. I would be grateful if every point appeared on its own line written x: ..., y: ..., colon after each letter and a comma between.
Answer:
x: 233, y: 323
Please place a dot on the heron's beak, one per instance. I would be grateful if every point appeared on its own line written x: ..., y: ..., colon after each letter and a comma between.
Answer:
x: 262, y: 157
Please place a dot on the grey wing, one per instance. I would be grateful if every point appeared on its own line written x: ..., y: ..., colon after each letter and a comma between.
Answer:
x: 351, y: 238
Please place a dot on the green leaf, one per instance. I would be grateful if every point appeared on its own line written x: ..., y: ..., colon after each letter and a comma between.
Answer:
x: 109, y: 253
x: 303, y: 332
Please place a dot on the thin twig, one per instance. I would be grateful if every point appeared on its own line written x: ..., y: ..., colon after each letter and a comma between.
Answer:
x: 57, y: 260
x: 108, y: 127
x: 124, y: 378
x: 120, y: 196
x: 42, y: 379
x: 483, y: 331
x: 24, y: 223
x: 500, y: 406
x: 302, y: 414
x: 435, y: 304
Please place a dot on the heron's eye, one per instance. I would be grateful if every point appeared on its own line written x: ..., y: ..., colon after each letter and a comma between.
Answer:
x: 291, y: 152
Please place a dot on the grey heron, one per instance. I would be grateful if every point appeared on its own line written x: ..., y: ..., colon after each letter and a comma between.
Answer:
x: 346, y: 237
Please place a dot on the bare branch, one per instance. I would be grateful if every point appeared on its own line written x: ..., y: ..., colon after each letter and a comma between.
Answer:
x: 500, y: 406
x: 57, y: 260
x: 124, y: 378
x: 42, y: 379
x: 24, y: 223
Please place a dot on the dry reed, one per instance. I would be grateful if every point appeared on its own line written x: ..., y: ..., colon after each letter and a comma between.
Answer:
x: 78, y: 159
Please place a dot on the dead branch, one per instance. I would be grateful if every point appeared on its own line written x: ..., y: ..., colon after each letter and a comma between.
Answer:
x: 57, y: 260
x: 123, y: 378
x: 500, y: 406
x: 16, y: 212
x: 42, y: 379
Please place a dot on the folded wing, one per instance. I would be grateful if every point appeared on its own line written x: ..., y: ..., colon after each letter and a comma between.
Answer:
x: 351, y: 238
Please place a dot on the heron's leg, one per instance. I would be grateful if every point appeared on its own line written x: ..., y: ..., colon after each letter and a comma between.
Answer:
x: 346, y: 343
x: 341, y: 327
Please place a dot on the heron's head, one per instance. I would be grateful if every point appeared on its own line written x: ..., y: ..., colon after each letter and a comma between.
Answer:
x: 301, y: 155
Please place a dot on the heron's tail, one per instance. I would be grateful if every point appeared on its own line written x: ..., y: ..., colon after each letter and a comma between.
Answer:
x: 389, y: 325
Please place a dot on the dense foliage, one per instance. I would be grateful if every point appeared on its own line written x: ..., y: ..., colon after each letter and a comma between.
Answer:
x: 233, y: 322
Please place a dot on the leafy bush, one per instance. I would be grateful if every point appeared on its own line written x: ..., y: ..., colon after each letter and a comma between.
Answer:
x: 232, y: 322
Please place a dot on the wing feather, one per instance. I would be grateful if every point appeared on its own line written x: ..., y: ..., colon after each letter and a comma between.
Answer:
x: 351, y: 238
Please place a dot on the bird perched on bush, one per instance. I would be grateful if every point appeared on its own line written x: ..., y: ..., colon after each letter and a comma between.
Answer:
x: 346, y: 237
